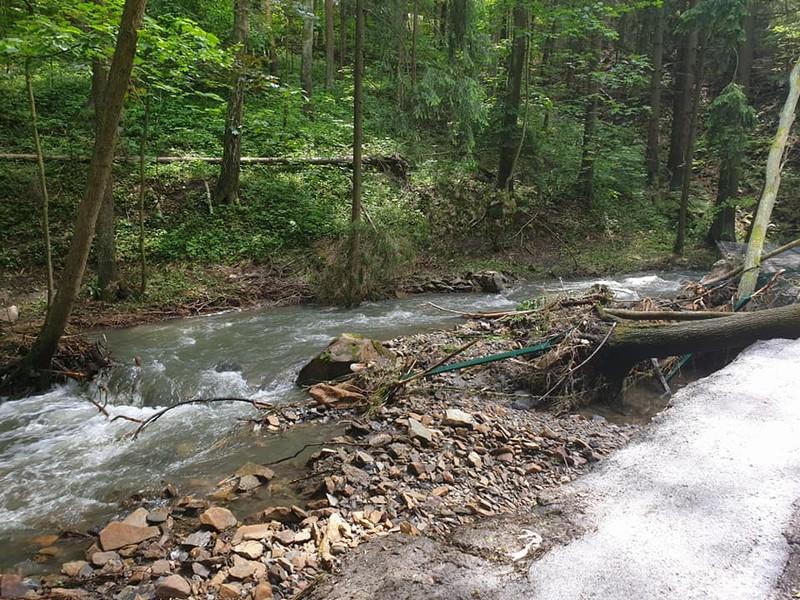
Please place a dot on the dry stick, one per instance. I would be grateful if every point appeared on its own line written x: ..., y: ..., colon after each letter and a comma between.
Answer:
x: 494, y: 315
x: 769, y: 284
x: 209, y: 198
x: 681, y: 315
x: 437, y: 364
x: 315, y: 445
x: 573, y: 369
x: 764, y: 258
x: 156, y: 416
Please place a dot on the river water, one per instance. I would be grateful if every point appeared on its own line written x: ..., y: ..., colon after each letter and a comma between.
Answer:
x: 64, y: 466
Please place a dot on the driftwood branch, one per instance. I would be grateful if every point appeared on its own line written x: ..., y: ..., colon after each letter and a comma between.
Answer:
x: 486, y: 315
x: 681, y: 315
x: 764, y: 258
x: 437, y: 364
x: 157, y: 415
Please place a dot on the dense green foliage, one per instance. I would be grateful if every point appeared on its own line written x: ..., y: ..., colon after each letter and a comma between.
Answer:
x: 435, y: 99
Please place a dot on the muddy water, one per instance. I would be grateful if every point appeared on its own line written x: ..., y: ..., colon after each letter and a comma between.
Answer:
x: 64, y: 466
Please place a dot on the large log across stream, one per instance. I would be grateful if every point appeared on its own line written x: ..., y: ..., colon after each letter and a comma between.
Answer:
x: 631, y: 344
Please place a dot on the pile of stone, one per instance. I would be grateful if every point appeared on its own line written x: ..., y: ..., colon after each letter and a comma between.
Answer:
x: 490, y: 282
x: 434, y: 461
x: 422, y: 466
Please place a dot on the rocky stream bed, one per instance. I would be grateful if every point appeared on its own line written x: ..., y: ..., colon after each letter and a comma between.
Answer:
x: 435, y: 458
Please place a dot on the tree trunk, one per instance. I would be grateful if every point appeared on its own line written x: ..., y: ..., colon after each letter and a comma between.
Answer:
x: 511, y: 102
x: 42, y: 184
x: 654, y: 123
x: 142, y: 150
x: 342, y: 35
x: 43, y: 349
x: 631, y: 344
x: 400, y: 17
x: 684, y: 84
x: 330, y: 44
x: 458, y: 22
x: 586, y: 175
x: 752, y: 263
x: 683, y: 211
x: 228, y: 183
x: 307, y: 57
x: 414, y: 34
x: 724, y: 226
x: 354, y: 258
x: 442, y: 37
x: 105, y: 243
x: 271, y: 43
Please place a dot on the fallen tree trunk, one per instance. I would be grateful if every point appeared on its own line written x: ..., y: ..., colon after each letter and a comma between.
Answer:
x: 392, y: 163
x: 631, y: 344
x: 667, y: 315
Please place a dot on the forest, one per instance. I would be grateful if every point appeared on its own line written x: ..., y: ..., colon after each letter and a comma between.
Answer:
x: 552, y: 248
x: 543, y: 138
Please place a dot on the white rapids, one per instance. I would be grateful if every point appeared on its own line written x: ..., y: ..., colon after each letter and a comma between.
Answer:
x: 697, y: 507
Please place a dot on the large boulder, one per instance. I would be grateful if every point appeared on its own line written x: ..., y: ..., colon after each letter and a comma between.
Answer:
x: 9, y: 314
x: 117, y: 535
x: 343, y: 352
x: 491, y: 282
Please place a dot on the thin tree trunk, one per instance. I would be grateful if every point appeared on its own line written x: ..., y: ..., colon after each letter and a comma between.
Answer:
x: 683, y: 212
x: 142, y: 150
x: 684, y: 84
x: 586, y: 175
x: 306, y: 67
x: 105, y: 238
x: 758, y: 234
x: 414, y: 34
x: 330, y: 59
x: 43, y: 349
x: 724, y: 226
x: 654, y: 123
x: 748, y: 48
x: 355, y: 261
x: 342, y: 35
x: 443, y: 16
x: 228, y: 184
x: 271, y: 43
x: 42, y: 184
x: 512, y: 100
x: 723, y: 229
x: 400, y: 17
x: 458, y: 22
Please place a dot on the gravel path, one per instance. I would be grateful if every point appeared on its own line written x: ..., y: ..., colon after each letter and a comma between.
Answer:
x: 699, y: 506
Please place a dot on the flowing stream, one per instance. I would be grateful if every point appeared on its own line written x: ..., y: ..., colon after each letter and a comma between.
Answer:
x: 65, y: 466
